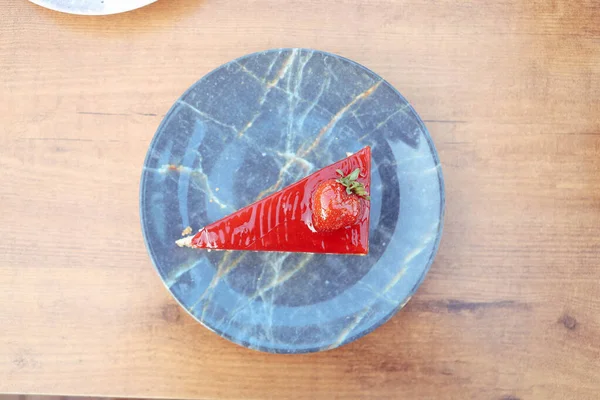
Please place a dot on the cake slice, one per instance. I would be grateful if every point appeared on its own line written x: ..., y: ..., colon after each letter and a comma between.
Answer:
x: 326, y: 212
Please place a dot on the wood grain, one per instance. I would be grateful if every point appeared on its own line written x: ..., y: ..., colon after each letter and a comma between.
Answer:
x: 510, y: 90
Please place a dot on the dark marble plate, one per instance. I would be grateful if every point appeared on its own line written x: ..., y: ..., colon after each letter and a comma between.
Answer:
x: 280, y: 115
x: 92, y: 7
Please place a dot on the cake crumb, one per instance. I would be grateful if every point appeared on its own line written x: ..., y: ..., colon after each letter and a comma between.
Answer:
x: 185, y: 242
x: 186, y: 231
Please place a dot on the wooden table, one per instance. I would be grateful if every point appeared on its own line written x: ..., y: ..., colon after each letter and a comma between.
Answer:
x: 510, y: 90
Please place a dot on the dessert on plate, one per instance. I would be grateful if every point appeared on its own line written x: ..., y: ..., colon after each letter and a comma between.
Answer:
x: 325, y: 212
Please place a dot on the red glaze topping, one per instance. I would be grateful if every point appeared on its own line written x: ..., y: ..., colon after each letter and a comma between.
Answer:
x: 285, y: 221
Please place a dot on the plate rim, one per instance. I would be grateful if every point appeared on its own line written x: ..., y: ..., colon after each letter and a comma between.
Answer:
x: 45, y: 5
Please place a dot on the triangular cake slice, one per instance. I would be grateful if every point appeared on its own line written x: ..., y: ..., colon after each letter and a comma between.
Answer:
x: 283, y: 221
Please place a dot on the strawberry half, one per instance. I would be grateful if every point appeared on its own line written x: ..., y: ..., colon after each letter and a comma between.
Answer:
x: 338, y: 203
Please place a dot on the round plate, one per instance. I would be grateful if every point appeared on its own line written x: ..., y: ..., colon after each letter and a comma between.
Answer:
x: 236, y: 132
x: 92, y: 7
